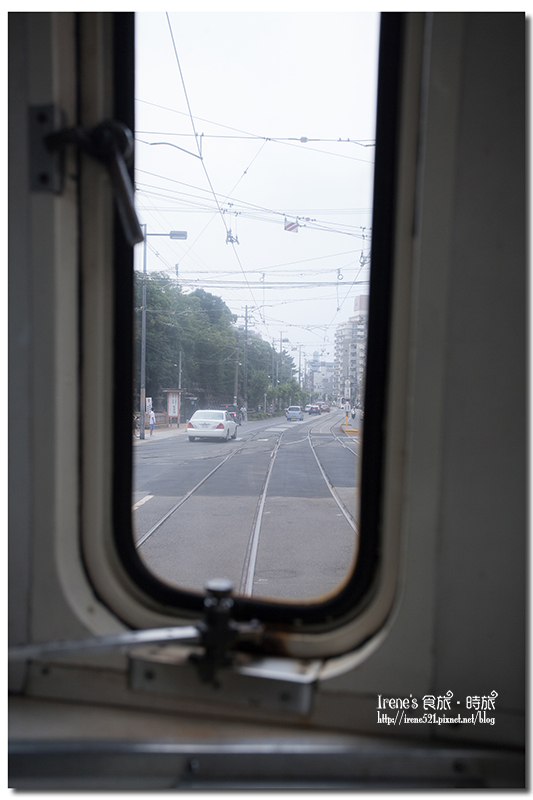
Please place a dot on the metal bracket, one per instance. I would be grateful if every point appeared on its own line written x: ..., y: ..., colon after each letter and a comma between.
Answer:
x: 217, y: 633
x: 275, y: 684
x: 46, y: 166
x: 110, y: 142
x: 159, y: 663
x: 272, y: 683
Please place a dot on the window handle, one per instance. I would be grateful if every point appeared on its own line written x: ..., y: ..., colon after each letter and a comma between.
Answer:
x: 111, y: 143
x: 216, y: 633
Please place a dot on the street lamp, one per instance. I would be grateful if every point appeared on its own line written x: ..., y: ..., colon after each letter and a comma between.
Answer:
x: 173, y: 235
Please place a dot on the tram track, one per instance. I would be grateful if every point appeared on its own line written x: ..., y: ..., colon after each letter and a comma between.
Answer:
x: 245, y: 586
x: 190, y: 493
x: 348, y: 516
x: 248, y: 572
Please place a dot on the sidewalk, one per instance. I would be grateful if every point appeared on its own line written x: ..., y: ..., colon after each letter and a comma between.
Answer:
x: 161, y: 432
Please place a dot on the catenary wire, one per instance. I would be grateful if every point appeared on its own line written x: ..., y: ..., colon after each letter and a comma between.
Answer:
x: 202, y: 160
x: 249, y: 135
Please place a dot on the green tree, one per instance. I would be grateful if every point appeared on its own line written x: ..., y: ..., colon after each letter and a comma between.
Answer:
x: 257, y: 387
x: 199, y: 325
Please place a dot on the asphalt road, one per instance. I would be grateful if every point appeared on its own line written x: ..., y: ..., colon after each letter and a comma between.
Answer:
x: 294, y: 540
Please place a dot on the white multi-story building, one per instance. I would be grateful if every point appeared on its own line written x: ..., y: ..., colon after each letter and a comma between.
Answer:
x: 350, y: 352
x: 320, y: 375
x: 323, y: 378
x: 344, y: 335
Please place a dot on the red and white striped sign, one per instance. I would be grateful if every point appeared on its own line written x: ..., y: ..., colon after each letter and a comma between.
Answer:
x: 291, y: 226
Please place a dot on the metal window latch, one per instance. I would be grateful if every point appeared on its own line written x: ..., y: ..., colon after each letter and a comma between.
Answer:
x: 217, y: 633
x: 110, y: 142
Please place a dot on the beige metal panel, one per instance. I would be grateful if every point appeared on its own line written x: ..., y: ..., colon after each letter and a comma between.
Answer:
x: 480, y: 636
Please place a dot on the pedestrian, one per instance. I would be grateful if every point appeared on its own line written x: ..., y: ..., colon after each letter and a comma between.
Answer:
x: 152, y: 421
x: 244, y: 414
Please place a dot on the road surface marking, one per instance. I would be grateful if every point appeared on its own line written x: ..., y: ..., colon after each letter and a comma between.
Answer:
x: 142, y: 502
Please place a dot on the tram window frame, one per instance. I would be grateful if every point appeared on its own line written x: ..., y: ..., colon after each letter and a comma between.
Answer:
x: 354, y: 593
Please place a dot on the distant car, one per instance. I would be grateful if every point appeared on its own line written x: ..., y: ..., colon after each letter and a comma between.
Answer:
x: 314, y: 410
x: 294, y: 412
x: 324, y: 407
x: 211, y: 424
x: 234, y: 411
x: 307, y: 407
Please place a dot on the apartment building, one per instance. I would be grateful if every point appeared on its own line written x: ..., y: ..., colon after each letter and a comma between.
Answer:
x: 350, y: 352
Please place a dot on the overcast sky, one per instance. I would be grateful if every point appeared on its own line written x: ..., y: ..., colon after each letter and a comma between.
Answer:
x: 254, y: 84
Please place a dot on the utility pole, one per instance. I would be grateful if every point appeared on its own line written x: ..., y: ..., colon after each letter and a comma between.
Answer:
x: 172, y: 235
x: 236, y: 385
x: 246, y: 357
x: 179, y: 387
x: 143, y: 344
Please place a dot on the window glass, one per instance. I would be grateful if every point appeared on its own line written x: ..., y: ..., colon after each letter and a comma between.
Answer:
x: 253, y: 184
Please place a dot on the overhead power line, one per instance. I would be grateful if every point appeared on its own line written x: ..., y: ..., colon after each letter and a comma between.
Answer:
x: 288, y: 141
x: 250, y: 211
x: 301, y: 139
x: 212, y: 284
x: 203, y: 163
x: 236, y: 202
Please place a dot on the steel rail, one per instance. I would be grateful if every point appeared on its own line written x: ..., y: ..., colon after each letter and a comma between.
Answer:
x: 189, y: 494
x: 351, y: 521
x: 247, y: 579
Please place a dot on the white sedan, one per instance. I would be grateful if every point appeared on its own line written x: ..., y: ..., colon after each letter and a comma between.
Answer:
x: 211, y: 425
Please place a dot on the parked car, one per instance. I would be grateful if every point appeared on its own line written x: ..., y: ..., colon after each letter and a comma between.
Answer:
x: 294, y: 412
x: 233, y: 410
x: 314, y: 410
x: 211, y: 424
